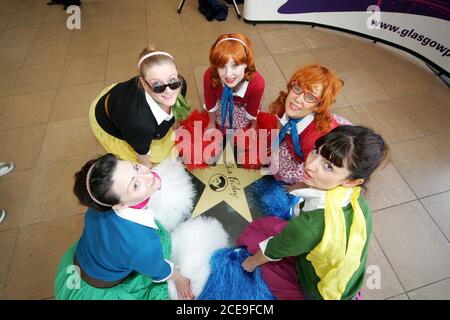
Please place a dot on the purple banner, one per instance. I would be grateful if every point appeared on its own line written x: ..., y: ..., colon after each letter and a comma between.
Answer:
x: 432, y: 8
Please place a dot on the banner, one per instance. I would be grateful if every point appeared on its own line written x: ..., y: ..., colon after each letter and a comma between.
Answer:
x: 421, y: 26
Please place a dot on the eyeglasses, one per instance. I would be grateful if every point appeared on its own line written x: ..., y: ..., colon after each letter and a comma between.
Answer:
x: 161, y: 87
x: 307, y: 95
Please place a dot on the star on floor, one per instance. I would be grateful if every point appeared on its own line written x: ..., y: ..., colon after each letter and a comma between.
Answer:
x: 225, y: 182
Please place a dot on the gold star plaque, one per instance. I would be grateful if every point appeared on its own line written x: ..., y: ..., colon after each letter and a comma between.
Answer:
x: 225, y: 182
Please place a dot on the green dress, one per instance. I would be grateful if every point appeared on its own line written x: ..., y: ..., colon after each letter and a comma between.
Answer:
x: 69, y: 285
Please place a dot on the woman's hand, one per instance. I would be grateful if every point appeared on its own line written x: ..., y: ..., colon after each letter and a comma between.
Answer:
x: 144, y: 160
x: 248, y: 264
x: 183, y: 286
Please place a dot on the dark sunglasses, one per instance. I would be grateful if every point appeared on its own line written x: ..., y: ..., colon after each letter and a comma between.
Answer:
x: 160, y: 88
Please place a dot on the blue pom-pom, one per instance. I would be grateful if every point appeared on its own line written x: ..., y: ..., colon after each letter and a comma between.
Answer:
x: 229, y: 281
x: 271, y: 198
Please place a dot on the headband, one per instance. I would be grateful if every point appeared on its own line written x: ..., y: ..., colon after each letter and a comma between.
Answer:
x: 88, y: 176
x: 233, y: 39
x: 154, y: 53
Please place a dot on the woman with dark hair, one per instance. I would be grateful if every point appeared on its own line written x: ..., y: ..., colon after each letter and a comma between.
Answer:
x: 134, y: 119
x: 322, y: 250
x: 124, y: 250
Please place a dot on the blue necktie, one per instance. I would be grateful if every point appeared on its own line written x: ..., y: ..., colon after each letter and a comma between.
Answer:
x: 293, y: 200
x: 227, y: 105
x: 292, y: 126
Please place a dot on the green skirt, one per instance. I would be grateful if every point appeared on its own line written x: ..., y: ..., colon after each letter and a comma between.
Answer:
x: 70, y: 286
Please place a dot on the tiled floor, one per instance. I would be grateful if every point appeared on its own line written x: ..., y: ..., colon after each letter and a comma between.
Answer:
x: 49, y: 75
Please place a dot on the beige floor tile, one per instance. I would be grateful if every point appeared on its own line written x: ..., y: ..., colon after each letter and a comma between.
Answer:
x: 194, y: 103
x: 23, y: 145
x: 190, y: 14
x: 282, y: 41
x: 32, y: 6
x: 413, y: 244
x: 199, y: 72
x: 129, y: 22
x: 166, y: 35
x: 53, y: 31
x: 7, y: 243
x: 9, y: 6
x: 349, y: 114
x: 196, y: 32
x: 371, y: 54
x: 18, y: 36
x: 97, y: 9
x: 74, y: 101
x: 233, y: 25
x: 127, y: 40
x: 128, y: 6
x: 27, y: 109
x: 13, y: 57
x: 38, y: 77
x: 359, y: 87
x: 122, y: 64
x: 400, y: 297
x: 3, y: 101
x: 96, y: 27
x: 289, y: 63
x: 341, y: 102
x: 438, y: 206
x: 66, y: 140
x: 25, y: 19
x: 7, y: 81
x: 4, y: 18
x: 387, y: 188
x: 44, y: 206
x: 387, y: 119
x: 33, y: 265
x: 430, y: 120
x: 199, y: 53
x: 162, y: 15
x: 15, y: 191
x: 269, y: 70
x: 180, y: 52
x: 442, y: 143
x: 188, y: 74
x: 417, y: 160
x: 338, y: 59
x: 436, y: 291
x: 266, y: 27
x: 380, y: 282
x: 271, y: 93
x: 397, y: 80
x: 259, y: 46
x: 48, y: 51
x: 84, y: 71
x: 317, y: 38
x: 85, y: 45
x: 55, y: 14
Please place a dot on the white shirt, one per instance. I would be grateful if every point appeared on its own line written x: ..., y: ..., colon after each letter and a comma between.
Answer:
x: 158, y: 112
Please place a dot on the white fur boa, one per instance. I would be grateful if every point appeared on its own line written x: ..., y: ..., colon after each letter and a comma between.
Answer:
x: 193, y: 243
x: 173, y: 203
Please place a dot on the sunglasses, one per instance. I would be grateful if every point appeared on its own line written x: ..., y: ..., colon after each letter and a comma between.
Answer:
x: 161, y: 87
x: 307, y: 95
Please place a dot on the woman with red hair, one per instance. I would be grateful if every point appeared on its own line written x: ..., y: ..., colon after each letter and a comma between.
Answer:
x: 304, y: 116
x: 233, y: 89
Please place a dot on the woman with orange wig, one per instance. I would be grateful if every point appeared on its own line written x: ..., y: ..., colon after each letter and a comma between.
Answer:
x: 233, y: 91
x: 233, y: 88
x: 304, y: 116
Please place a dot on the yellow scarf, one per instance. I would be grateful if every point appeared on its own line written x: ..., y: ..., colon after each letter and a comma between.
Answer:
x: 333, y: 265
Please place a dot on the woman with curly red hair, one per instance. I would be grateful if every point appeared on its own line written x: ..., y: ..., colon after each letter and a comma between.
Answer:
x: 304, y: 116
